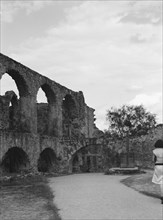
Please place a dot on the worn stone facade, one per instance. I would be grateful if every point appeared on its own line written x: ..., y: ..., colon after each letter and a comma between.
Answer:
x: 89, y: 158
x: 59, y: 135
x: 65, y: 124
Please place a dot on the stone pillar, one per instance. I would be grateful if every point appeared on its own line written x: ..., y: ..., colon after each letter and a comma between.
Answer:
x: 60, y: 119
x: 54, y: 120
x: 28, y: 119
x: 33, y: 150
x: 4, y: 113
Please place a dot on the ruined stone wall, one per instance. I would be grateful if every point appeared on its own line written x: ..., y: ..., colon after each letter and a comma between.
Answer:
x: 28, y: 83
x: 63, y: 124
x: 34, y: 144
x: 141, y: 146
x: 4, y: 113
x: 89, y: 128
x: 28, y: 142
x: 88, y: 159
x: 42, y: 119
x: 9, y: 117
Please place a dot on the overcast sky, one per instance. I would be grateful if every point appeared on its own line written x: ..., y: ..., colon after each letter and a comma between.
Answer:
x: 110, y: 50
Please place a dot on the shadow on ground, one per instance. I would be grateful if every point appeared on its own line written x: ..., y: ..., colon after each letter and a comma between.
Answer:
x: 143, y: 184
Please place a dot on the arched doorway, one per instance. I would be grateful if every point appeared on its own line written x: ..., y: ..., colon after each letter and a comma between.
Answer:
x: 46, y: 111
x: 15, y: 160
x: 47, y: 161
x: 88, y: 159
x: 70, y: 117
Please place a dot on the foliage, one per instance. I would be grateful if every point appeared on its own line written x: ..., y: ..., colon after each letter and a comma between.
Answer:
x: 129, y: 120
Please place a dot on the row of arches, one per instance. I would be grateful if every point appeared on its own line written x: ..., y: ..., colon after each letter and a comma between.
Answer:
x: 52, y: 116
x: 16, y: 160
x: 86, y: 159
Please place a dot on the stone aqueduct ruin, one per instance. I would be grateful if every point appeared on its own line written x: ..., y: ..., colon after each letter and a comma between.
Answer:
x: 59, y: 135
x: 42, y: 135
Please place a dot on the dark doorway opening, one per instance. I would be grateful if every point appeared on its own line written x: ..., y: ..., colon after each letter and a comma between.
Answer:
x: 15, y: 160
x: 47, y: 161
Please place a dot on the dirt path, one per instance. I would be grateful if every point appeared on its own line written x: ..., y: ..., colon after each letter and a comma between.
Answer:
x: 102, y: 197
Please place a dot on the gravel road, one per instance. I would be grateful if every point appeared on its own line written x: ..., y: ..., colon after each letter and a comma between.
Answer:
x: 101, y: 197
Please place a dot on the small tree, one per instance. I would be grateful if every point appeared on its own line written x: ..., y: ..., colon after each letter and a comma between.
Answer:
x: 129, y: 120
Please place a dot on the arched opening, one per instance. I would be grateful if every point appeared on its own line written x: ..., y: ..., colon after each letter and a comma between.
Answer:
x: 46, y: 111
x: 15, y: 160
x: 13, y: 102
x: 70, y: 117
x: 9, y: 103
x: 42, y: 112
x: 87, y: 159
x: 8, y: 84
x: 47, y: 161
x: 18, y: 84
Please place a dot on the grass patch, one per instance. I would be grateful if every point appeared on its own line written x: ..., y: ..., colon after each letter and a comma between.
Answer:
x: 143, y: 184
x: 27, y: 198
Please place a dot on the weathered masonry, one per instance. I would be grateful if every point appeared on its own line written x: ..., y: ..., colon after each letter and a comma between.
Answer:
x: 41, y: 136
x: 139, y: 150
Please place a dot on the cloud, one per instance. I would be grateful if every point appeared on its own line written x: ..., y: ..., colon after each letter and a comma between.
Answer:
x: 137, y: 38
x: 92, y: 51
x: 134, y: 88
x: 143, y: 12
x: 152, y: 102
x: 9, y: 9
x: 147, y: 100
x: 101, y: 117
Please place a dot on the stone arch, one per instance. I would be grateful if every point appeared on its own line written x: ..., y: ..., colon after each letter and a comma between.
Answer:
x: 15, y: 160
x: 51, y: 96
x: 19, y: 81
x: 47, y: 160
x: 87, y: 159
x: 25, y: 115
x: 47, y: 112
x: 69, y: 116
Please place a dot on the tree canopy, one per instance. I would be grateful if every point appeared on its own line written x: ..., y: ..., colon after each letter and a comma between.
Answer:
x: 129, y: 120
